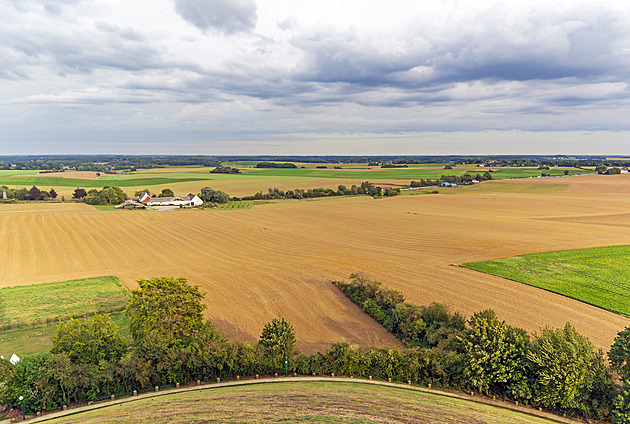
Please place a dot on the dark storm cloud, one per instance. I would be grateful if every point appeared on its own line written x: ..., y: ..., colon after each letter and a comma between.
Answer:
x: 591, y: 46
x: 229, y: 16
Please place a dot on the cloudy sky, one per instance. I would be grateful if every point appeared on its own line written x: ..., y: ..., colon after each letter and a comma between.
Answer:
x: 314, y: 77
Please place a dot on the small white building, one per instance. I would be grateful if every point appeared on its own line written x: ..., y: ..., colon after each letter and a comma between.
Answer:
x: 190, y: 200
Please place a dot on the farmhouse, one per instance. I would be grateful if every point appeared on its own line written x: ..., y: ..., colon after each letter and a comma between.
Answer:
x: 190, y: 200
x: 130, y: 204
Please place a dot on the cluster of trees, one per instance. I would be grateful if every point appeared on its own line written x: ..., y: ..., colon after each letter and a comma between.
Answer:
x: 365, y: 188
x: 453, y: 179
x: 394, y: 165
x: 210, y: 195
x: 166, y: 192
x: 225, y: 170
x: 557, y: 369
x: 603, y: 169
x: 106, y: 196
x: 21, y: 193
x: 172, y: 343
x: 414, y: 325
x: 275, y: 165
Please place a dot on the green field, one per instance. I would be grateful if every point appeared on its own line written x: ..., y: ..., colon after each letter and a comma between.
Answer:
x: 166, y: 176
x: 243, y: 204
x: 34, y: 339
x: 301, y: 402
x: 44, y: 302
x: 598, y: 276
x: 43, y: 181
x: 6, y: 172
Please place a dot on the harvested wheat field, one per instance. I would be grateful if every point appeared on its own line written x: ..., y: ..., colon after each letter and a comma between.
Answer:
x: 619, y: 183
x: 280, y: 258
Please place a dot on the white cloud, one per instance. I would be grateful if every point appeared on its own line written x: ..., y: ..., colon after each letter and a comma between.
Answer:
x: 228, y: 16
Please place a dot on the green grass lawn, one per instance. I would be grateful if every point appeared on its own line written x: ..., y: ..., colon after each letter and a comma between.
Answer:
x: 42, y: 302
x: 301, y: 402
x: 598, y: 276
x: 33, y: 339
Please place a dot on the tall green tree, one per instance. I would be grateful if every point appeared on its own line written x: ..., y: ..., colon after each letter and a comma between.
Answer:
x: 619, y: 354
x: 495, y: 354
x: 564, y: 368
x: 619, y: 357
x: 166, y: 192
x: 89, y: 341
x: 278, y: 340
x: 167, y: 306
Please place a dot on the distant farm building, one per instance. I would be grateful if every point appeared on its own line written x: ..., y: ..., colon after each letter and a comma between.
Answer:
x: 190, y: 200
x: 130, y: 204
x: 624, y: 170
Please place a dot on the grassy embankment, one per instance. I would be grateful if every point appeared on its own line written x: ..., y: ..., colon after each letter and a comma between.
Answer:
x: 27, y: 313
x: 308, y: 402
x: 597, y: 276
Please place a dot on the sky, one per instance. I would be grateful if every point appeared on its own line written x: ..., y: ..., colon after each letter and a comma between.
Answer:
x: 246, y: 77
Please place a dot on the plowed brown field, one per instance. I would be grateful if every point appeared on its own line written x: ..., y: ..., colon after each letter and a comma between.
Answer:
x: 280, y: 258
x: 619, y: 183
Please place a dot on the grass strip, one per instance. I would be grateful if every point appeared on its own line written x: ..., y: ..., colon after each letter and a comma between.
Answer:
x: 42, y: 303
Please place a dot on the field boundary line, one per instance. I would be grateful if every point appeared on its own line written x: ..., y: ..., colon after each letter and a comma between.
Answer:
x: 47, y: 210
x: 275, y: 380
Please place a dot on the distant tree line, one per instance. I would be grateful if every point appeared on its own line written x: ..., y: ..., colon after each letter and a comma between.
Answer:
x: 557, y: 369
x: 101, y: 163
x: 366, y: 188
x: 453, y: 179
x: 394, y: 165
x: 275, y: 165
x: 21, y: 193
x: 113, y: 163
x: 225, y: 170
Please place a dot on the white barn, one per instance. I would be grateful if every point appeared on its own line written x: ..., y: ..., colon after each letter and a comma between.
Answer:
x: 190, y: 200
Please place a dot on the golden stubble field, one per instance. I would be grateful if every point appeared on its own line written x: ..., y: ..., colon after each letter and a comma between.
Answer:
x: 280, y: 258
